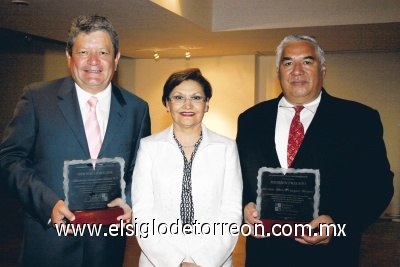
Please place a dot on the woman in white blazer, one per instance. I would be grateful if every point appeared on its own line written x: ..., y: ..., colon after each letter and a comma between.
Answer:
x: 187, y: 185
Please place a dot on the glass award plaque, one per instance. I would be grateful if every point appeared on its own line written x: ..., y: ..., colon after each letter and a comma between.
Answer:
x: 89, y: 185
x: 287, y: 196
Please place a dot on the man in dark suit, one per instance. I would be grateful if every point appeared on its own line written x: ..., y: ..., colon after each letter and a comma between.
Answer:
x: 48, y: 129
x: 343, y: 140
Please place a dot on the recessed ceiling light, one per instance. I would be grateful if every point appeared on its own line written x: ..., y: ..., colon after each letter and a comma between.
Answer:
x: 20, y: 2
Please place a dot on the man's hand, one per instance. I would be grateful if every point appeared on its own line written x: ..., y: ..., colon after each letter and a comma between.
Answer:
x: 250, y: 214
x: 127, y: 216
x: 325, y: 236
x: 60, y: 213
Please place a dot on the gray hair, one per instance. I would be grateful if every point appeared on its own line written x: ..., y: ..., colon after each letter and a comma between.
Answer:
x: 294, y: 38
x: 89, y: 24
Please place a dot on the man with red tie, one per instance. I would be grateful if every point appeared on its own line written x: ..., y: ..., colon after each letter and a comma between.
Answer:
x: 306, y: 128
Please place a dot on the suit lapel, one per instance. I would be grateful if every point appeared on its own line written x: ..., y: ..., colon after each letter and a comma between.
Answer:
x: 117, y: 116
x: 69, y: 106
x: 269, y: 139
x: 316, y: 133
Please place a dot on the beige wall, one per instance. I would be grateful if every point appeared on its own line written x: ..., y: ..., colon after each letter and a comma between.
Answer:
x: 55, y: 64
x: 372, y: 79
x: 232, y: 79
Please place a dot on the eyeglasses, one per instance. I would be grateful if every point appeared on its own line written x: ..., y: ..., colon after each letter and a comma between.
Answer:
x: 180, y: 99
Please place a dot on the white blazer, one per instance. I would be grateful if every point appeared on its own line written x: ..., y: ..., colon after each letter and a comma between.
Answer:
x: 217, y: 199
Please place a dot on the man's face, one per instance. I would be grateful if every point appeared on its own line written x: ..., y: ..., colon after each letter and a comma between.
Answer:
x: 92, y: 62
x: 300, y: 73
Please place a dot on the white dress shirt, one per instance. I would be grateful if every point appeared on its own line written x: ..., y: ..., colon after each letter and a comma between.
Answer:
x: 102, y: 107
x: 284, y: 119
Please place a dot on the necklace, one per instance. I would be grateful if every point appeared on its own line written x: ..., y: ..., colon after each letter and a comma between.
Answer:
x: 179, y: 144
x: 188, y: 146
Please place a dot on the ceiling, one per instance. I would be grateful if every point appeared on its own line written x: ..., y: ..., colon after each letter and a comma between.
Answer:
x: 217, y: 27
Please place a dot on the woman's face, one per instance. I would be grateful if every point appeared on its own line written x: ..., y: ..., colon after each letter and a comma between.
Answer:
x: 187, y: 113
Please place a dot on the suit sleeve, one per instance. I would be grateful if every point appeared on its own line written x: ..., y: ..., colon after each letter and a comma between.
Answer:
x: 375, y: 180
x: 16, y: 161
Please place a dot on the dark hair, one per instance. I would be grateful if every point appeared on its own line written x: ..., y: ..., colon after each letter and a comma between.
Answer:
x: 178, y: 77
x: 88, y: 24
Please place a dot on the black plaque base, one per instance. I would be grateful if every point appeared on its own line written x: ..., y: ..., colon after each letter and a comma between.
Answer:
x: 101, y: 216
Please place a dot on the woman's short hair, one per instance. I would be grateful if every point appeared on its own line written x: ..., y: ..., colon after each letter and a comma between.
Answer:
x: 178, y: 77
x: 89, y: 24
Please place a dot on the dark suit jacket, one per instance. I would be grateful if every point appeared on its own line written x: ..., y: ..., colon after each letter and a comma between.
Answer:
x: 344, y: 141
x: 46, y: 130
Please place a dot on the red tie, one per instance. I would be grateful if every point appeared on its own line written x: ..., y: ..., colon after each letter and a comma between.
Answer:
x: 92, y: 129
x: 296, y: 135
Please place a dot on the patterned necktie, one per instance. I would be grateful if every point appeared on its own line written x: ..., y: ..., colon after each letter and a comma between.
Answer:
x: 92, y: 129
x: 296, y: 135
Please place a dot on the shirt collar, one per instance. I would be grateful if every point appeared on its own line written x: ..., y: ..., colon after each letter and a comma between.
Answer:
x: 312, y: 106
x: 209, y: 136
x: 82, y: 94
